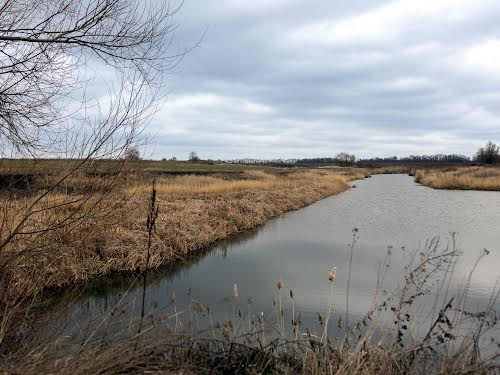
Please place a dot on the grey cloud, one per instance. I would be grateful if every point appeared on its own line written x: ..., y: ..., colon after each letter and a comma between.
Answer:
x: 273, y: 85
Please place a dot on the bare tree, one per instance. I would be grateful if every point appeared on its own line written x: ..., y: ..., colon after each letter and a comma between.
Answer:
x: 132, y: 153
x: 488, y: 154
x: 345, y: 159
x: 52, y: 55
x: 193, y: 157
x: 45, y: 46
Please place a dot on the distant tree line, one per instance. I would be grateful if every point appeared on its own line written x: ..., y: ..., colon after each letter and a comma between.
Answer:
x: 345, y: 159
x: 417, y: 159
x: 489, y: 154
x: 342, y: 158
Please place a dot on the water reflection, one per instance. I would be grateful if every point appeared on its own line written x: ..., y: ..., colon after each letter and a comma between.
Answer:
x: 301, y: 247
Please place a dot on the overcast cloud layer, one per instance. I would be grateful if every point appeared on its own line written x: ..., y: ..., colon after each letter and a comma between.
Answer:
x: 290, y: 78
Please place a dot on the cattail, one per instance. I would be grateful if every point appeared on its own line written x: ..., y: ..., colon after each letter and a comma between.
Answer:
x: 226, y: 333
x: 260, y: 316
x: 198, y: 307
x: 332, y: 274
x: 296, y: 319
x: 234, y: 295
x: 279, y: 284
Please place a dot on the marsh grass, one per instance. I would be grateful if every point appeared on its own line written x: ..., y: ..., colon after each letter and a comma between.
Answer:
x: 194, y: 212
x: 461, y: 178
x: 449, y: 342
x: 186, y: 339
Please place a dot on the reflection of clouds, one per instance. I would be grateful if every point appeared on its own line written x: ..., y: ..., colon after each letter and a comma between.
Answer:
x: 302, y: 246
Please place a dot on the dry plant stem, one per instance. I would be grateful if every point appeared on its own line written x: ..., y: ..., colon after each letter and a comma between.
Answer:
x: 281, y: 316
x: 331, y: 279
x: 324, y: 336
x: 211, y: 322
x: 295, y: 319
x: 190, y: 311
x: 178, y: 322
x: 262, y: 327
x: 249, y: 314
x: 234, y: 298
x: 279, y: 310
x: 150, y: 226
x: 351, y: 251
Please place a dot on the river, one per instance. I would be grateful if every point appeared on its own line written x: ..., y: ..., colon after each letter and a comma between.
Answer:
x: 300, y: 248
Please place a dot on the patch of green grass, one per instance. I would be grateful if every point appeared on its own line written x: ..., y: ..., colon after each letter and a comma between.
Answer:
x: 42, y: 166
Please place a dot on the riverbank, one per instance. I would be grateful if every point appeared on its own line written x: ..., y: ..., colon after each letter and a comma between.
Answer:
x: 193, y: 213
x: 194, y: 355
x: 71, y: 241
x: 185, y: 338
x: 460, y: 178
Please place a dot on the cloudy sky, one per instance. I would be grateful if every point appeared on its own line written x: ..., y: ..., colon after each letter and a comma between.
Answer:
x: 290, y: 78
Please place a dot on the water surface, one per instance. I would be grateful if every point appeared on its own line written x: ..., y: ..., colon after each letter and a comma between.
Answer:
x: 300, y: 247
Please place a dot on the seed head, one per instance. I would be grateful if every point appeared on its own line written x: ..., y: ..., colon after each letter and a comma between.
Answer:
x: 198, y: 306
x: 226, y: 333
x: 234, y: 295
x: 332, y: 274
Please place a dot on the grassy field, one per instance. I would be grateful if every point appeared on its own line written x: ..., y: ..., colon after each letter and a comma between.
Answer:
x: 43, y: 166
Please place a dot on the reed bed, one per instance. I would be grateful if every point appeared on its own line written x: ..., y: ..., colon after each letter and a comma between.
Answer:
x: 194, y: 212
x: 461, y: 178
x: 388, y: 340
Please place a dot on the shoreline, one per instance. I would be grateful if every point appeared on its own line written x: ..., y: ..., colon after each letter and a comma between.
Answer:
x: 188, y: 223
x: 465, y: 178
x: 195, y: 212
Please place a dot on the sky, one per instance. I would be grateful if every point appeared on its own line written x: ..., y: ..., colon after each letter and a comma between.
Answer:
x: 292, y: 79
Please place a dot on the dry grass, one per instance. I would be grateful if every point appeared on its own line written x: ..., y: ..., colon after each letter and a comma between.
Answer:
x: 168, y: 346
x: 194, y: 212
x: 461, y: 178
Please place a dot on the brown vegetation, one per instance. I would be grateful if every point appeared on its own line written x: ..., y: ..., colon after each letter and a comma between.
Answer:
x: 461, y: 178
x: 194, y: 212
x: 448, y: 342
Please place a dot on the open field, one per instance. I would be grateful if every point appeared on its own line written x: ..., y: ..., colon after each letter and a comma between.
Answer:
x: 58, y: 165
x: 461, y: 178
x: 94, y: 232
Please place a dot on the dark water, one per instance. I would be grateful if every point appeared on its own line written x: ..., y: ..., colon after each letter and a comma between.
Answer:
x: 300, y: 248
